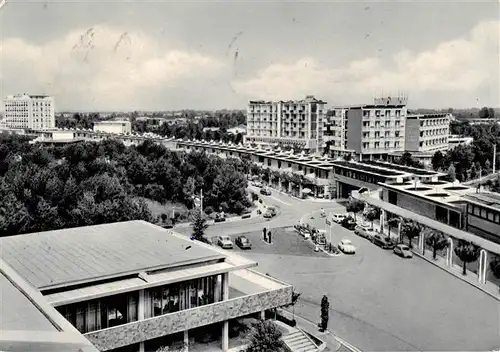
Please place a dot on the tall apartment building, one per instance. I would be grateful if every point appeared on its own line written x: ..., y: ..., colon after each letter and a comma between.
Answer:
x: 376, y: 130
x: 297, y: 123
x: 26, y: 111
x: 427, y: 133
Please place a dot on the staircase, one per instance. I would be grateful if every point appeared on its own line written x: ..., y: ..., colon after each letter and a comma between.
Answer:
x: 298, y: 341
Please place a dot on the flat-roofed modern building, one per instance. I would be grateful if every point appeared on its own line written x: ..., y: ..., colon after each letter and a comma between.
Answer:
x: 133, y: 286
x: 336, y: 131
x: 483, y: 215
x: 436, y: 199
x: 297, y: 123
x: 455, y: 140
x: 29, y: 111
x: 375, y: 130
x: 112, y: 126
x: 427, y: 133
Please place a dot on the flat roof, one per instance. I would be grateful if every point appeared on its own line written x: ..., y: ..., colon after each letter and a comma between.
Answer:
x: 87, y: 254
x: 485, y: 198
x: 403, y: 168
x: 361, y: 166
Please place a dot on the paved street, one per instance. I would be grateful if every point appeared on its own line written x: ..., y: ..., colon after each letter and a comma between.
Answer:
x: 378, y: 301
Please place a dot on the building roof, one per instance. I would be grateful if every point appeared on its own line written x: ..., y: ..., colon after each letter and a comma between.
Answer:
x: 94, y: 253
x: 426, y: 116
x: 29, y: 323
x: 485, y: 198
x: 17, y: 312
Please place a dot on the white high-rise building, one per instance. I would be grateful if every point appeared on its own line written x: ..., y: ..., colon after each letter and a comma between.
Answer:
x: 297, y: 123
x: 27, y: 111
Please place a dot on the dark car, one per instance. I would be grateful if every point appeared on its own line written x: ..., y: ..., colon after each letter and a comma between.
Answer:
x: 348, y: 223
x: 243, y: 242
x: 382, y: 242
x: 264, y: 191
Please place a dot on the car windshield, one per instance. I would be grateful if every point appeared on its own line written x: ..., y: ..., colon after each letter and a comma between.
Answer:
x: 243, y: 239
x: 405, y: 248
x: 225, y: 238
x: 346, y: 241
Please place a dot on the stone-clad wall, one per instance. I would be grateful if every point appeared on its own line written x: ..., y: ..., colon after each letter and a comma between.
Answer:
x: 151, y: 328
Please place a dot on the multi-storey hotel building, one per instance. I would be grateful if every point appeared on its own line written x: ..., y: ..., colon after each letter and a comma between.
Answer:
x: 24, y: 111
x: 129, y: 286
x: 374, y: 131
x: 296, y: 123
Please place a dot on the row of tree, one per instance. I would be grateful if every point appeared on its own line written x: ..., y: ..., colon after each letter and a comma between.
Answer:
x: 52, y: 187
x: 466, y: 251
x: 466, y: 162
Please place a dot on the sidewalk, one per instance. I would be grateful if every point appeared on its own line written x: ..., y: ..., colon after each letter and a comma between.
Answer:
x: 471, y: 278
x: 333, y: 343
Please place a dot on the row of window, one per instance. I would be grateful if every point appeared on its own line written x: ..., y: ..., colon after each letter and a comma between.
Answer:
x: 376, y: 134
x: 434, y: 122
x: 121, y: 309
x: 433, y: 132
x: 378, y: 113
x: 377, y: 145
x: 387, y: 124
x: 484, y: 213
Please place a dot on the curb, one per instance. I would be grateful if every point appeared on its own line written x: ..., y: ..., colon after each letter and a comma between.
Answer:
x: 456, y: 275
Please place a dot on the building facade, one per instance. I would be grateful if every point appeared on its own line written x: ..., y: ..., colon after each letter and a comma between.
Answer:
x: 296, y: 123
x: 116, y: 127
x: 427, y: 133
x: 27, y: 111
x: 336, y: 131
x: 374, y: 131
x: 134, y: 286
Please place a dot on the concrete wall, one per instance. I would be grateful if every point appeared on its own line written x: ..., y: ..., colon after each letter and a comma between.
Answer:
x: 416, y: 205
x: 167, y: 324
x: 354, y: 126
x: 412, y: 135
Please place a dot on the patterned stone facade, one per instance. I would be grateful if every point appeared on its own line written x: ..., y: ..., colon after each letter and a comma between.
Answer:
x: 151, y: 328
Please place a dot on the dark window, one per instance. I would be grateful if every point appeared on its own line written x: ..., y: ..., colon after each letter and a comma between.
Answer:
x: 393, y: 197
x: 441, y: 214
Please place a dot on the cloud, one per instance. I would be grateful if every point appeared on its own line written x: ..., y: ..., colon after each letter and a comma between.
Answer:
x: 103, y: 65
x: 460, y: 66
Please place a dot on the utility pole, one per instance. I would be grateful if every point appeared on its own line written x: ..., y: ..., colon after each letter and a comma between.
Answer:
x: 494, y: 157
x: 201, y: 200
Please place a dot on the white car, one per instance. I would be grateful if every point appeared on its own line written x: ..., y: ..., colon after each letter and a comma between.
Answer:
x: 337, y: 218
x: 347, y: 247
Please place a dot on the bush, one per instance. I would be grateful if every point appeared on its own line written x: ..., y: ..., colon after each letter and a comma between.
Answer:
x: 255, y: 196
x: 224, y: 207
x: 239, y: 207
x: 209, y: 210
x: 260, y: 201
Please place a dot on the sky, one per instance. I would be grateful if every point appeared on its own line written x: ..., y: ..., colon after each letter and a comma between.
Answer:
x: 166, y: 55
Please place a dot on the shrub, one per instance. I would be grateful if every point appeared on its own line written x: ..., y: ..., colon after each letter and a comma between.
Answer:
x: 260, y: 201
x: 209, y: 210
x: 255, y: 196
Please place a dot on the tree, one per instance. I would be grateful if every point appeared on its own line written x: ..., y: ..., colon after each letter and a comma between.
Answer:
x: 437, y: 241
x: 265, y: 337
x: 451, y: 173
x: 406, y: 159
x: 468, y: 252
x: 199, y: 226
x: 392, y: 222
x: 371, y: 214
x: 438, y: 160
x: 355, y: 206
x: 410, y: 230
x: 325, y: 307
x: 495, y: 267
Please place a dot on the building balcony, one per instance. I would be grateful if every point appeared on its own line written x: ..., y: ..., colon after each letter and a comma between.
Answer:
x: 249, y: 292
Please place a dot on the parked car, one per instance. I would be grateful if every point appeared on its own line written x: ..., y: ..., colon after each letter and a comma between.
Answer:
x: 363, y: 231
x: 346, y: 246
x: 337, y: 218
x: 225, y: 242
x: 348, y: 223
x: 382, y: 242
x: 257, y: 184
x: 403, y: 251
x: 265, y: 191
x: 243, y: 242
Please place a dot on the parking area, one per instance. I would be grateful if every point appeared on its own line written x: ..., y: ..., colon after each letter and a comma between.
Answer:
x: 285, y: 241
